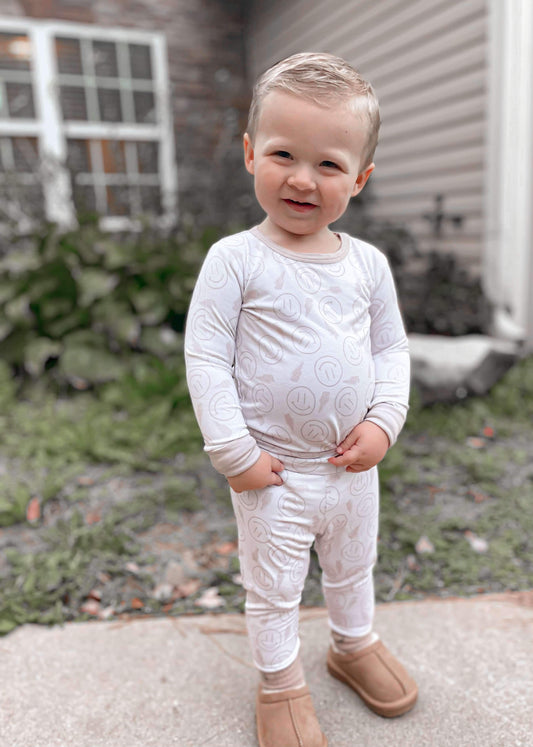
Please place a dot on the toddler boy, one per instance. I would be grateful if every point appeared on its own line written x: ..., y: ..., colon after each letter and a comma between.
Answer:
x: 298, y: 369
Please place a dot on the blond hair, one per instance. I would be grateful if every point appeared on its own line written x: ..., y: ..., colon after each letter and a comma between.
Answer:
x: 324, y: 79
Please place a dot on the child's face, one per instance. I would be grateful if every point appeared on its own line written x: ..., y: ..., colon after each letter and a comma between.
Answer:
x: 306, y: 161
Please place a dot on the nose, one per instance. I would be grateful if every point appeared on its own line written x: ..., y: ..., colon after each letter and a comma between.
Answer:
x: 302, y: 179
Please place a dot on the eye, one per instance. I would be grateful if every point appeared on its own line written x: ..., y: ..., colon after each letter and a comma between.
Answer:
x: 283, y: 154
x: 330, y: 165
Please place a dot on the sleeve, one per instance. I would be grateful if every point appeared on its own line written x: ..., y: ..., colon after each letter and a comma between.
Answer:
x: 390, y: 352
x: 209, y: 357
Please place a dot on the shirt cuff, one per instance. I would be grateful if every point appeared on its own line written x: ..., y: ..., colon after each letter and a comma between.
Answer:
x: 390, y: 419
x: 234, y: 457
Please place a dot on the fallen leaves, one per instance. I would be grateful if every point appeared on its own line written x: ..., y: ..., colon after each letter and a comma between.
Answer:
x: 210, y: 599
x: 480, y: 442
x: 166, y: 593
x: 433, y: 491
x: 90, y: 607
x: 93, y: 517
x: 93, y: 606
x: 227, y: 548
x: 33, y: 510
x: 424, y: 546
x: 478, y: 544
x: 188, y: 588
x: 475, y: 442
x: 85, y: 480
x: 478, y: 496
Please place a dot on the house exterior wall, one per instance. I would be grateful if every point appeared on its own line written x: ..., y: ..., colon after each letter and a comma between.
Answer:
x: 427, y: 61
x: 508, y: 260
x: 207, y: 89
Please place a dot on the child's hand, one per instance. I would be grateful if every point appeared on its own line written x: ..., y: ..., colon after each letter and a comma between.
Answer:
x: 264, y: 472
x: 362, y: 449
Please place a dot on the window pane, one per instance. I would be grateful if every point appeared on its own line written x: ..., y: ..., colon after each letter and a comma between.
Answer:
x: 116, y: 170
x: 151, y: 200
x: 33, y: 199
x: 20, y: 101
x: 84, y: 198
x: 148, y: 158
x: 114, y: 156
x: 118, y: 200
x: 68, y: 54
x: 73, y: 104
x: 15, y: 52
x: 6, y: 155
x: 78, y: 156
x: 27, y: 199
x: 140, y: 61
x: 105, y: 59
x: 110, y: 106
x: 144, y: 105
x: 25, y: 154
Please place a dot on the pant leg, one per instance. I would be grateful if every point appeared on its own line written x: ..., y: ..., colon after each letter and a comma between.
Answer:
x: 347, y: 550
x: 275, y: 535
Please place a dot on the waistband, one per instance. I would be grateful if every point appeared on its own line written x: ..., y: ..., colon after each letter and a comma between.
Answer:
x: 315, y: 463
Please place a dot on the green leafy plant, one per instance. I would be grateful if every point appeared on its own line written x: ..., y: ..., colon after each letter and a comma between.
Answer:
x: 84, y: 304
x: 441, y: 297
x: 437, y: 293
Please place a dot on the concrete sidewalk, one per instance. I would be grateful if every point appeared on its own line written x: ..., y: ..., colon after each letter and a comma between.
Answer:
x: 189, y: 681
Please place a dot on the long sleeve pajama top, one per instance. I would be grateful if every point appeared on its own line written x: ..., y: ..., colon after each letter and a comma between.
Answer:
x: 288, y: 352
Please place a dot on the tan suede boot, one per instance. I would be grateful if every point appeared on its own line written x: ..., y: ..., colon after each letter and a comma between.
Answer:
x: 288, y: 719
x: 377, y: 677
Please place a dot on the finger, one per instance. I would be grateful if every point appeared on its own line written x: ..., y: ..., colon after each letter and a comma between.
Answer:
x: 348, y: 457
x: 356, y: 468
x: 276, y: 465
x: 275, y: 479
x: 348, y: 442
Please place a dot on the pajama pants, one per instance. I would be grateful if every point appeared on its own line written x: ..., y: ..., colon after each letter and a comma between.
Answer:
x: 320, y: 503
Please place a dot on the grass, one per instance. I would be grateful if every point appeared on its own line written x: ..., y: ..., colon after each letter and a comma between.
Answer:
x: 49, y: 440
x: 43, y: 585
x: 460, y: 476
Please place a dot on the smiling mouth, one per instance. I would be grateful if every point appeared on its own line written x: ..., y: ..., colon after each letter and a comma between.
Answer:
x: 300, y: 207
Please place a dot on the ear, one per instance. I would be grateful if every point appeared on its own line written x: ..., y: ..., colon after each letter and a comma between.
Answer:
x: 248, y: 153
x: 362, y: 179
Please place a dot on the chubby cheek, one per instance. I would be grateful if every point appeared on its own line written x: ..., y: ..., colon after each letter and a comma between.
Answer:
x: 267, y: 183
x: 338, y: 200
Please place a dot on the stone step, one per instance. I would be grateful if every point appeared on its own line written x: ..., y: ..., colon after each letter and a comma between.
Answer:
x: 447, y: 369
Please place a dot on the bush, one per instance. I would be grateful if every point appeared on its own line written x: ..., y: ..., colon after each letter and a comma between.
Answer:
x: 442, y: 298
x: 437, y: 295
x: 84, y: 304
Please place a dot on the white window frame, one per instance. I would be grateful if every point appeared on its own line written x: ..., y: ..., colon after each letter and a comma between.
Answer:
x: 52, y: 132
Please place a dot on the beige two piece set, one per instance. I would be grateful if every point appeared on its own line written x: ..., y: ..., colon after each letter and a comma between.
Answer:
x: 288, y: 352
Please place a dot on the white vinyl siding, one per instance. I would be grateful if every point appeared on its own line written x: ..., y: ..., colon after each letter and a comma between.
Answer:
x: 427, y: 62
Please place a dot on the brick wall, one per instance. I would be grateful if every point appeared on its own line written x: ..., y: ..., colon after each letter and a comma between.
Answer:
x: 209, y: 93
x: 10, y: 8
